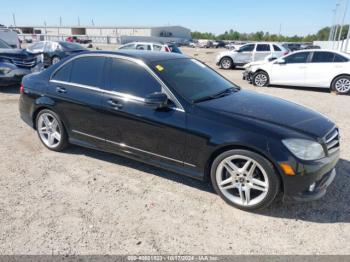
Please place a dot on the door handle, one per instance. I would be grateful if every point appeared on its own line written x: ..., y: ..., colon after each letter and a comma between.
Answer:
x: 61, y: 90
x: 115, y: 104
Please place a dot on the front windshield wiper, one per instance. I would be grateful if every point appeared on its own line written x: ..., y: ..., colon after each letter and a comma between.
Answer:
x: 222, y: 93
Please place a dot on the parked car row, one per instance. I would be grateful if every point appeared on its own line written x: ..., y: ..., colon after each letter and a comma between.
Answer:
x: 149, y: 46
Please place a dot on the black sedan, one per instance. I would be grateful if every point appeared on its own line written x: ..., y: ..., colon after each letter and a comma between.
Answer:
x: 16, y: 63
x: 54, y: 52
x: 174, y: 112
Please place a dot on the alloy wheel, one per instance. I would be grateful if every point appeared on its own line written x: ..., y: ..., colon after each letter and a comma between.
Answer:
x: 342, y: 85
x: 260, y: 80
x: 226, y: 63
x: 49, y: 130
x: 242, y: 180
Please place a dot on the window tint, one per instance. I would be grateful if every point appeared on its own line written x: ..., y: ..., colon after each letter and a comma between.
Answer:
x: 143, y: 47
x: 276, y: 48
x: 323, y: 57
x: 130, y: 78
x: 297, y: 58
x: 263, y: 48
x: 247, y: 48
x: 87, y: 71
x: 340, y: 59
x: 63, y: 74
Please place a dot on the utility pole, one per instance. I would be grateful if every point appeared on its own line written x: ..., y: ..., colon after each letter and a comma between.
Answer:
x: 331, y: 32
x: 336, y: 25
x: 14, y: 20
x: 92, y: 22
x: 78, y: 21
x: 342, y: 23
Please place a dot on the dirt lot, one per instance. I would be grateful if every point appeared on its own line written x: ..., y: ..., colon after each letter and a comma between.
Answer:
x: 87, y: 202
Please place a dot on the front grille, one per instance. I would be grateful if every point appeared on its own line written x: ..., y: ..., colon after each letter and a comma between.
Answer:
x: 332, y: 141
x: 27, y: 63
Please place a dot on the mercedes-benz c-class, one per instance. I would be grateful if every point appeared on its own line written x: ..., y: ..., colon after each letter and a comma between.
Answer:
x: 174, y: 112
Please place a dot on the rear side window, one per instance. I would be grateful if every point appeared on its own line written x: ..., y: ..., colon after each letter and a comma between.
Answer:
x: 88, y: 70
x: 323, y: 57
x: 63, y: 74
x: 276, y: 48
x: 130, y: 78
x: 263, y: 48
x: 340, y: 59
x: 157, y: 48
x: 297, y: 58
x: 143, y: 47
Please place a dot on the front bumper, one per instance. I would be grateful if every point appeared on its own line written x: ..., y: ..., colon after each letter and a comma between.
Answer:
x: 15, y: 76
x: 320, y: 173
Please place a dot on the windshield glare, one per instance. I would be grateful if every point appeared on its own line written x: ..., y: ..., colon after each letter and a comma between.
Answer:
x: 190, y: 78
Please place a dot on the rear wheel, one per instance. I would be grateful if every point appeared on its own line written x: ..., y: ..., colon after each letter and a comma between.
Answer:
x: 260, y: 79
x: 245, y: 179
x: 226, y: 63
x: 341, y: 84
x: 51, y: 130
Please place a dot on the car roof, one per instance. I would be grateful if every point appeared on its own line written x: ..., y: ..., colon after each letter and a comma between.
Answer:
x: 321, y: 50
x: 146, y: 56
x: 145, y: 43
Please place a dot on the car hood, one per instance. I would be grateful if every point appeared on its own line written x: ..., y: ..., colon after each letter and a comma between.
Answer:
x: 258, y: 107
x: 257, y: 63
x: 16, y: 53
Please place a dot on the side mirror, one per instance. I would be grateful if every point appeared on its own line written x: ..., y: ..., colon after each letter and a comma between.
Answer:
x: 272, y: 59
x: 239, y: 51
x: 157, y: 100
x: 280, y: 61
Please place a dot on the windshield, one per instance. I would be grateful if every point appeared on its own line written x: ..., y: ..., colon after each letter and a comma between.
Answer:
x: 72, y: 46
x: 3, y: 44
x: 191, y: 79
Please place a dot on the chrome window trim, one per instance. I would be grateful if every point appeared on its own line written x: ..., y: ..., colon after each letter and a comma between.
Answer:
x: 122, y: 145
x: 164, y: 87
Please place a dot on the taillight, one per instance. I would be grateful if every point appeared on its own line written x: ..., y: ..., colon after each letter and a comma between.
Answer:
x: 167, y: 49
x: 286, y: 53
x: 21, y: 89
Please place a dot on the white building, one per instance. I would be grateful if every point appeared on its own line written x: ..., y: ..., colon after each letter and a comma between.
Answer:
x: 111, y: 33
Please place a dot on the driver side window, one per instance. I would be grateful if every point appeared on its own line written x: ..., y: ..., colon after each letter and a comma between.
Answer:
x: 297, y: 58
x: 247, y: 48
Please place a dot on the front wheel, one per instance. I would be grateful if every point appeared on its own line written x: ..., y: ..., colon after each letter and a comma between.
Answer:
x: 55, y: 60
x: 260, y: 79
x: 244, y: 179
x: 341, y: 85
x: 226, y: 63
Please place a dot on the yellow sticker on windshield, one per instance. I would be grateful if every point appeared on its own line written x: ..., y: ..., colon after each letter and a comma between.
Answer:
x: 159, y: 68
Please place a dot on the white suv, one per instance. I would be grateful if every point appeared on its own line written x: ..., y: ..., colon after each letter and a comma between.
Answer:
x: 146, y: 46
x: 250, y: 53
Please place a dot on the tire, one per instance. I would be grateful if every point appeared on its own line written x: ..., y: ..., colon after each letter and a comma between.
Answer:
x: 55, y: 60
x: 341, y: 85
x: 51, y: 130
x: 252, y: 188
x: 260, y: 79
x: 226, y: 63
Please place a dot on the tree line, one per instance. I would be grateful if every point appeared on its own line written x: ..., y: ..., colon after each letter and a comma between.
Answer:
x: 321, y: 35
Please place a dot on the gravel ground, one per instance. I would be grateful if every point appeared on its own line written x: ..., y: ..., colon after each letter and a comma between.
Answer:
x: 87, y: 202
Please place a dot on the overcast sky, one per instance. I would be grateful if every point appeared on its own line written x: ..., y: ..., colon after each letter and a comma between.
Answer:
x: 295, y: 17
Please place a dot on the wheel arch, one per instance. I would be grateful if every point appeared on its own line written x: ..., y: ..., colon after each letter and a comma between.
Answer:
x: 334, y: 78
x: 229, y: 57
x: 41, y: 104
x: 225, y: 148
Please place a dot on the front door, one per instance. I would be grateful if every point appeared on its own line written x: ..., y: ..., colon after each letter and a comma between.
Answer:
x: 135, y: 128
x: 292, y: 72
x: 244, y: 54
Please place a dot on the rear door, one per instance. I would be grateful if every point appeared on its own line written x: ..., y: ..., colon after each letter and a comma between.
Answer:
x: 322, y: 69
x: 76, y: 88
x: 262, y: 51
x: 135, y: 128
x: 292, y: 72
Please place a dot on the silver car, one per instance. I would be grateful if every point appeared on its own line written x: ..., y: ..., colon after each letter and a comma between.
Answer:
x: 250, y: 53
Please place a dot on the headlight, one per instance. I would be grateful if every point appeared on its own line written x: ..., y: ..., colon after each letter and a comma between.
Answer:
x: 304, y: 149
